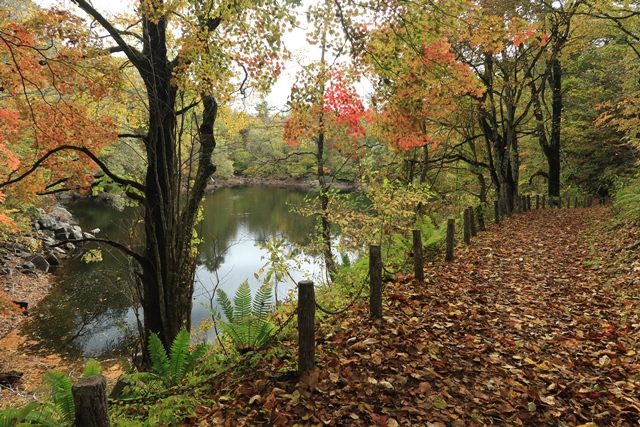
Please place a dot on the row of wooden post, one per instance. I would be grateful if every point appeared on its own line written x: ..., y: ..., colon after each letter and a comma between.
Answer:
x: 473, y: 222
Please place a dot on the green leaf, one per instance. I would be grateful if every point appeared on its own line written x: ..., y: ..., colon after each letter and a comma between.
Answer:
x: 158, y: 355
x: 179, y: 355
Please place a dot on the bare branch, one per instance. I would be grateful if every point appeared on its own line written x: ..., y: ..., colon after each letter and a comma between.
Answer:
x: 134, y: 55
x: 122, y: 248
x: 88, y: 153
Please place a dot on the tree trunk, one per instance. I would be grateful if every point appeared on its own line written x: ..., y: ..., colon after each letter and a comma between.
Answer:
x: 553, y: 154
x: 169, y: 210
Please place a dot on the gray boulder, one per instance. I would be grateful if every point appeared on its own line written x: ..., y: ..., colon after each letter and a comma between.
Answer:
x: 47, y: 222
x: 27, y: 268
x: 52, y: 259
x: 60, y: 214
x: 62, y: 233
x: 75, y: 232
x: 40, y: 263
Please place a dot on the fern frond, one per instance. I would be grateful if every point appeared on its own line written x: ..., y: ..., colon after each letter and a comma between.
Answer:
x: 42, y: 415
x: 225, y: 303
x: 242, y: 302
x: 91, y: 368
x: 262, y: 303
x: 195, y: 355
x: 265, y: 333
x: 60, y: 385
x: 158, y: 355
x: 179, y: 355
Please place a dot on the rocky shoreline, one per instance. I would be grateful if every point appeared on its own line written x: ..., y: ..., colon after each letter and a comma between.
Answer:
x: 26, y: 263
x: 26, y: 260
x: 302, y: 184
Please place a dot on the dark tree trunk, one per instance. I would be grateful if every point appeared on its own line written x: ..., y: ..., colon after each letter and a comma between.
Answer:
x: 550, y: 144
x: 553, y: 154
x: 169, y: 210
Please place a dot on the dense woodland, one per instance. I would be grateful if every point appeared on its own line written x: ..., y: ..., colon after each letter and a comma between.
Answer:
x: 427, y: 107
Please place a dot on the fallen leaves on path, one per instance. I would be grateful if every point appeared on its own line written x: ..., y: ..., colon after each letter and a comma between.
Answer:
x: 534, y: 324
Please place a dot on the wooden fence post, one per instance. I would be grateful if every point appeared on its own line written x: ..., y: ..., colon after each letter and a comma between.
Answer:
x: 451, y: 235
x: 496, y: 211
x: 472, y: 222
x: 375, y: 282
x: 306, y: 327
x: 568, y: 201
x: 528, y: 202
x: 466, y: 226
x: 90, y: 401
x: 544, y: 201
x: 418, y: 258
x: 480, y: 216
x: 537, y: 201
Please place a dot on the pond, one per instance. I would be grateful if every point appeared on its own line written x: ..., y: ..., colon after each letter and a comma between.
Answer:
x: 91, y: 312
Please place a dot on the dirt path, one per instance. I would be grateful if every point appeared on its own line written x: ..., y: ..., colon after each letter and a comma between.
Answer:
x: 523, y: 328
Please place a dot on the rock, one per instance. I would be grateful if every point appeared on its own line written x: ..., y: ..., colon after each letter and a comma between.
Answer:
x: 60, y: 214
x: 40, y: 263
x: 62, y: 234
x: 48, y: 241
x: 88, y: 236
x: 47, y: 222
x: 70, y: 247
x: 95, y: 231
x: 75, y: 233
x: 52, y: 259
x: 27, y: 268
x: 58, y: 250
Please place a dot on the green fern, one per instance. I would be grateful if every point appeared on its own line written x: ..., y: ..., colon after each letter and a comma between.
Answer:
x: 91, y: 368
x: 34, y: 413
x: 246, y: 322
x: 173, y: 367
x: 158, y: 355
x: 60, y: 385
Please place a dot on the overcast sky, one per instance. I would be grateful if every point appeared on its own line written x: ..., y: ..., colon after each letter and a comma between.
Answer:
x: 295, y: 41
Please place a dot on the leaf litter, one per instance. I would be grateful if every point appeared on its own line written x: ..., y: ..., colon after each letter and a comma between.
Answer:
x: 521, y: 329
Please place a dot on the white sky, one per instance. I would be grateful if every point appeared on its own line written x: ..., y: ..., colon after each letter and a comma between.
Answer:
x: 295, y: 41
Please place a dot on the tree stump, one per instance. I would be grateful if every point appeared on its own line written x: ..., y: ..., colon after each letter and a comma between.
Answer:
x: 306, y: 327
x: 451, y: 235
x: 375, y: 282
x: 90, y: 400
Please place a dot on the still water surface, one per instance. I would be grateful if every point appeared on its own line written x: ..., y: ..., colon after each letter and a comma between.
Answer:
x: 90, y: 312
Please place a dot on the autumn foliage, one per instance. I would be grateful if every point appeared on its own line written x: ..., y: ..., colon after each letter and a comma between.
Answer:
x: 56, y: 88
x: 339, y: 113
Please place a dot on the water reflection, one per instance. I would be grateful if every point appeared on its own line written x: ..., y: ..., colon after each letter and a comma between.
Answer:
x: 91, y: 311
